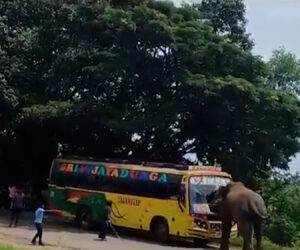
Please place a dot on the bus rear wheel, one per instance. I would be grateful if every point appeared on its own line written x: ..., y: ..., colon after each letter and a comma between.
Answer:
x: 160, y: 230
x: 84, y: 218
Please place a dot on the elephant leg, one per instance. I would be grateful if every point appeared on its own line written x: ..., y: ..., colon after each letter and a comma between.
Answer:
x: 246, y: 230
x: 258, y: 234
x: 226, y: 229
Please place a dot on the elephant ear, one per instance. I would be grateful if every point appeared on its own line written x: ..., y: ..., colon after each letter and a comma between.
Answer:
x: 223, y: 191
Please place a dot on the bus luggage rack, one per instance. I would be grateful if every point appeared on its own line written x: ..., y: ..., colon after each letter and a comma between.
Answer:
x: 143, y: 163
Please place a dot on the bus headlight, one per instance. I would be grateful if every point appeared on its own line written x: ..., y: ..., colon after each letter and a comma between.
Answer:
x: 201, y: 224
x: 216, y: 226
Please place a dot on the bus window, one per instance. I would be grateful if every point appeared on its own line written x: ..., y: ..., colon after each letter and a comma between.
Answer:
x: 58, y: 179
x: 96, y: 183
x: 173, y: 189
x: 124, y: 186
x: 109, y: 184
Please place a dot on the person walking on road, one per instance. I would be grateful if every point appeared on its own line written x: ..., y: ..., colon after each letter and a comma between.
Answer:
x: 17, y: 206
x: 105, y: 221
x: 38, y: 221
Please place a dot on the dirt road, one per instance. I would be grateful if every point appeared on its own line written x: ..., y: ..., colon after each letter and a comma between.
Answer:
x: 59, y: 234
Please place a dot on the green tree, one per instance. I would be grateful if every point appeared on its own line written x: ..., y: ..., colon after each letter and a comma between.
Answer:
x: 8, y: 65
x: 228, y: 18
x: 281, y: 194
x: 284, y: 71
x: 139, y: 80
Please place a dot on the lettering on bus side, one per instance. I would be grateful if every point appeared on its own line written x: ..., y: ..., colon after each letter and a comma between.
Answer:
x: 129, y: 201
x: 102, y: 170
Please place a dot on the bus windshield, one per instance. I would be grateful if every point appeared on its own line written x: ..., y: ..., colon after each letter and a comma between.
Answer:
x: 200, y: 187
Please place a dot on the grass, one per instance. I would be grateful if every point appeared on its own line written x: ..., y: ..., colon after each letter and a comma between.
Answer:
x: 7, y: 248
x: 266, y: 245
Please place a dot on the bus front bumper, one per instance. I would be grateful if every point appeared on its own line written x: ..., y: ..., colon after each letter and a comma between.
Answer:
x: 210, y: 235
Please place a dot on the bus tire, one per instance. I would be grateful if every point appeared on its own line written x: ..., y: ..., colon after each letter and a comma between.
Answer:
x: 84, y: 217
x: 160, y: 229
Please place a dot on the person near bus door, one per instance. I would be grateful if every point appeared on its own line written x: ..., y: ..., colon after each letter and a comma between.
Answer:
x: 105, y: 221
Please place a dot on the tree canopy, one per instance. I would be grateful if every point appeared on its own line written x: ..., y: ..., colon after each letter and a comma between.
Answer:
x: 284, y: 71
x: 141, y: 80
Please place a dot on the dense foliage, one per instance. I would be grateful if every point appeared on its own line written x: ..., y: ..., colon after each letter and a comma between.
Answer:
x: 141, y: 80
x: 282, y: 196
x: 284, y: 71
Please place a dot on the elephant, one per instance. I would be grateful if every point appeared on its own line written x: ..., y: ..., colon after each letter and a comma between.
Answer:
x: 245, y: 207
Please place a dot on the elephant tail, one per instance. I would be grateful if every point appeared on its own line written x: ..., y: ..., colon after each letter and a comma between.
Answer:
x: 259, y: 210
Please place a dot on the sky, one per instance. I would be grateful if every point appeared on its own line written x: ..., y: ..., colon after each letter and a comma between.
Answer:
x: 273, y: 23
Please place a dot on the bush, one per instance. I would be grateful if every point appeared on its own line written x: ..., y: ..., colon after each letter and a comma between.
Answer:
x: 266, y: 244
x: 282, y: 231
x: 282, y: 196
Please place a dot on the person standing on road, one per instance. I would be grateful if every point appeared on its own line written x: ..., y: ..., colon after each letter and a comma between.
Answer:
x: 17, y: 206
x: 38, y: 221
x: 12, y: 190
x: 105, y: 221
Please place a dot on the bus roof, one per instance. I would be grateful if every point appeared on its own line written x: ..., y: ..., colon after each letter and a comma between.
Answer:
x: 153, y: 167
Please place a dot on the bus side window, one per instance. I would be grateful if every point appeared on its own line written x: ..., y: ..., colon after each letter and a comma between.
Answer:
x: 109, y: 184
x: 136, y: 188
x: 59, y: 179
x: 57, y: 176
x: 80, y: 181
x: 173, y: 190
x: 75, y: 180
x: 125, y: 186
x: 96, y: 183
x: 159, y: 190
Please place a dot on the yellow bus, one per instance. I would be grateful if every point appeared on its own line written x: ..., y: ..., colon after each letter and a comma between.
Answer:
x: 165, y: 199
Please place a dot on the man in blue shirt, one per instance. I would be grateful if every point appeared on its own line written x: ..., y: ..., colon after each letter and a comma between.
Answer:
x: 38, y: 221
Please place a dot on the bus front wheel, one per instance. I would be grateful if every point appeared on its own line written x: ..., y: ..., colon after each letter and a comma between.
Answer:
x: 160, y: 230
x: 84, y: 218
